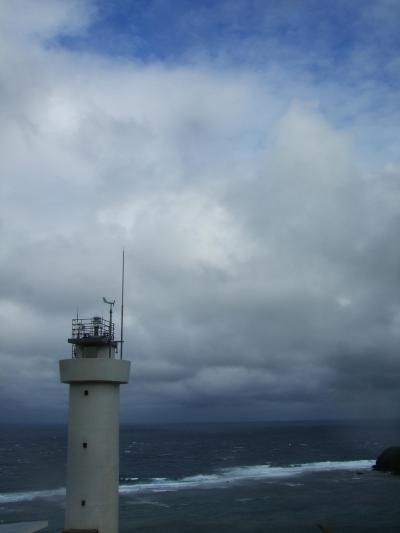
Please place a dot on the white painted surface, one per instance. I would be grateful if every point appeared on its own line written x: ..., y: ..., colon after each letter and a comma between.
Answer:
x: 94, y: 370
x: 93, y: 472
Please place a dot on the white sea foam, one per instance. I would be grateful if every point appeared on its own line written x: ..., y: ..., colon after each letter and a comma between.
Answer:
x: 12, y: 497
x: 220, y: 478
x: 229, y: 476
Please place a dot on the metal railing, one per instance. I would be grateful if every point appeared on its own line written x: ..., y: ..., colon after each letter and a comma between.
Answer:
x: 92, y: 327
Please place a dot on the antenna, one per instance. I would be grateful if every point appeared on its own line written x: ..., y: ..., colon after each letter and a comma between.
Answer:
x: 122, y: 301
x: 110, y: 328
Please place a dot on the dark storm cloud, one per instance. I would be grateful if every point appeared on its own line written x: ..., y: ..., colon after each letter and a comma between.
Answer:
x: 258, y: 213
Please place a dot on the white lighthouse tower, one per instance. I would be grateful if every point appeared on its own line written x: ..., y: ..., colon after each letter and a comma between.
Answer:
x: 94, y: 375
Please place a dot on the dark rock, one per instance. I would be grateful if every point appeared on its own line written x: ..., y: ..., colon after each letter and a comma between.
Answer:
x: 389, y: 460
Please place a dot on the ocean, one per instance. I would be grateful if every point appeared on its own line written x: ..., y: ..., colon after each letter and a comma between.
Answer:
x: 254, y: 477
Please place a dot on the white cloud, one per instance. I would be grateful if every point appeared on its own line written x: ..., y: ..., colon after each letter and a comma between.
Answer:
x: 26, y: 20
x: 259, y: 244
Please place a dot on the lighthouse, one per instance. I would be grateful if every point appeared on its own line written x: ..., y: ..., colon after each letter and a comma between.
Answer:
x: 94, y: 375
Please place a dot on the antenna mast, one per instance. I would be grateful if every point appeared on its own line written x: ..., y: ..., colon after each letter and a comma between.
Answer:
x: 122, y: 300
x: 110, y: 326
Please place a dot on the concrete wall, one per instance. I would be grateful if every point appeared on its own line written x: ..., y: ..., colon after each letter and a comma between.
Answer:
x: 95, y: 351
x: 93, y: 470
x: 95, y: 370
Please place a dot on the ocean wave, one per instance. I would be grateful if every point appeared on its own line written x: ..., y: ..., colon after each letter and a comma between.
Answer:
x: 15, y: 497
x: 229, y: 476
x: 221, y: 478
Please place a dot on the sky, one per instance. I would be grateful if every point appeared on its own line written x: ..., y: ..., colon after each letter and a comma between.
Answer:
x: 245, y: 154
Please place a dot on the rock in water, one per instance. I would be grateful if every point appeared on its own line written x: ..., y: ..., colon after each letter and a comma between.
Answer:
x: 389, y: 460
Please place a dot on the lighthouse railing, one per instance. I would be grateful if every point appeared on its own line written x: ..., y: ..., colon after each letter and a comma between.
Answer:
x: 92, y: 327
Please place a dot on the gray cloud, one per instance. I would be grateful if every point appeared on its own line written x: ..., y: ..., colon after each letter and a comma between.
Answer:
x: 260, y: 228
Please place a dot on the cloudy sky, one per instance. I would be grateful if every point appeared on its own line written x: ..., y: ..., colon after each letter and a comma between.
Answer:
x: 245, y: 153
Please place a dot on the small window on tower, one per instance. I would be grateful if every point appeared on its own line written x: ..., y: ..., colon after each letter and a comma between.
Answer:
x: 85, y: 445
x: 83, y: 503
x: 86, y: 393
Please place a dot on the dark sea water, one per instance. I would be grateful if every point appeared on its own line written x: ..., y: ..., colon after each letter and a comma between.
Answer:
x: 233, y: 478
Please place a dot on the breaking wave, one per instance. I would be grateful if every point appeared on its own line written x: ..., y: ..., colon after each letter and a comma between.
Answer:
x: 15, y: 497
x: 239, y: 474
x: 224, y: 477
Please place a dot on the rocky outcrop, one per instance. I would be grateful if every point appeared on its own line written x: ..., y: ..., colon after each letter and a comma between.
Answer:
x: 389, y: 460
